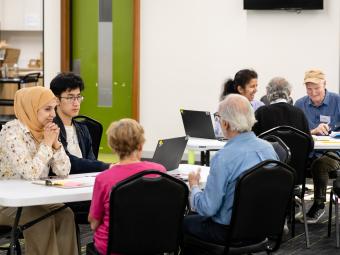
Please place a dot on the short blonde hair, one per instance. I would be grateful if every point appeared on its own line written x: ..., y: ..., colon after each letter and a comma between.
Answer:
x: 125, y: 136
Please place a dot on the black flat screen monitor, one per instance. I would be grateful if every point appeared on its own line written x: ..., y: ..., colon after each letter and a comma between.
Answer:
x: 282, y: 4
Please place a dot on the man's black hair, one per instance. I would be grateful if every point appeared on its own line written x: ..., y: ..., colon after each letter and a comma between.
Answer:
x: 65, y: 82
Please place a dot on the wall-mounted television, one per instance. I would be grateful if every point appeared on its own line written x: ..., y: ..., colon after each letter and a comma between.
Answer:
x: 282, y: 4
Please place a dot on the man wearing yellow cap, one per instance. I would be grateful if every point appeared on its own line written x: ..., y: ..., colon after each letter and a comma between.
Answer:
x: 322, y: 109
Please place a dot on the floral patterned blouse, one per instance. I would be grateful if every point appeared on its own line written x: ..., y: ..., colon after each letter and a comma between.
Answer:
x: 22, y: 158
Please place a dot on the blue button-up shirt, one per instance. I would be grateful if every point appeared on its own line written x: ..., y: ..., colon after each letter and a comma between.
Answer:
x: 238, y: 155
x: 330, y: 107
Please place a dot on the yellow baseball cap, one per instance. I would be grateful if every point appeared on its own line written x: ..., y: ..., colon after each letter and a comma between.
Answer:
x: 314, y: 76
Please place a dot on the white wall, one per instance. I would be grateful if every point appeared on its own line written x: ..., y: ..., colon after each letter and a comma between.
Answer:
x: 188, y: 48
x: 52, y: 39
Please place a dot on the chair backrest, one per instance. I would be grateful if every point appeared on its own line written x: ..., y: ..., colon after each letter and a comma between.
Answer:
x: 96, y: 130
x: 146, y: 214
x: 31, y: 77
x: 300, y: 145
x: 281, y: 149
x: 262, y: 197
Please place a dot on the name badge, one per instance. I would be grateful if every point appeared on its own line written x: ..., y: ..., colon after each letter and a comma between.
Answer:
x: 325, y: 119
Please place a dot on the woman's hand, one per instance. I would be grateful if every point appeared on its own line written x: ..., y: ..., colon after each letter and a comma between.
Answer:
x: 51, y: 135
x: 94, y: 224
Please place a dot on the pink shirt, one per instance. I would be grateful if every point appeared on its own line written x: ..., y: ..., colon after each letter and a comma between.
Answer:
x: 100, y: 204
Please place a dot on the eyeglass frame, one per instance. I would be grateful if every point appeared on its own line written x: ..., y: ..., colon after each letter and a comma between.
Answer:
x: 217, y: 116
x: 79, y: 99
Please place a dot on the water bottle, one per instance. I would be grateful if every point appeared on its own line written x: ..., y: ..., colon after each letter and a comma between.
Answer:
x: 4, y: 71
x: 16, y: 70
x: 191, y: 157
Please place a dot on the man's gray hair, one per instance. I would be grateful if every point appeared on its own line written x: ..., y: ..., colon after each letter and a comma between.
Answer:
x: 238, y: 112
x: 278, y: 88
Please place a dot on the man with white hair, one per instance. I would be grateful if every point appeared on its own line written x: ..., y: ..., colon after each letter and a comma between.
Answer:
x: 279, y: 112
x: 242, y: 151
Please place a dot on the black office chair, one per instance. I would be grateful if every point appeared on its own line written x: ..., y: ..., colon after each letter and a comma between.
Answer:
x: 300, y: 145
x: 146, y: 214
x: 29, y: 78
x: 334, y: 199
x: 281, y: 149
x: 96, y: 130
x: 262, y: 197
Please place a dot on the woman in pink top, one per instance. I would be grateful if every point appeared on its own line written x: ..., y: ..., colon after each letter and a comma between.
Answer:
x: 126, y: 139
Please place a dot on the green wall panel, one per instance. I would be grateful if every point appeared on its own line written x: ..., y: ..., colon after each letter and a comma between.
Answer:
x: 85, y: 14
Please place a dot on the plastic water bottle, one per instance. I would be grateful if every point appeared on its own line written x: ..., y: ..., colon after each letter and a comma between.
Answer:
x: 16, y: 70
x: 191, y: 157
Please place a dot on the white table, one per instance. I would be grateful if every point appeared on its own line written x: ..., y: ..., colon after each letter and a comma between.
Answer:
x: 201, y: 144
x: 204, y: 146
x: 321, y: 143
x: 21, y: 193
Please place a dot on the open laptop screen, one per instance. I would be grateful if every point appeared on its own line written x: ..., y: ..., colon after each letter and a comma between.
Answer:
x: 169, y: 152
x: 198, y: 124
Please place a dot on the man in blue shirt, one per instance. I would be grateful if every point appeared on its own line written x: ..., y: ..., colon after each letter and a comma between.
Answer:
x: 243, y: 151
x: 322, y: 109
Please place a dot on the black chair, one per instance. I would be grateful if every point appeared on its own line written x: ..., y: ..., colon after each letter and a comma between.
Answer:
x: 300, y: 145
x: 334, y: 199
x: 262, y: 197
x: 146, y: 214
x: 96, y: 130
x: 30, y: 78
x: 281, y: 149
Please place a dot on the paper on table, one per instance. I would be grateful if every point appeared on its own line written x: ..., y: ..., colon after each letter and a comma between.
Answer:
x: 185, y: 169
x: 321, y: 138
x: 66, y: 184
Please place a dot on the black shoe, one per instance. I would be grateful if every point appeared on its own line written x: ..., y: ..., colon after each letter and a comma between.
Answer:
x: 315, y: 213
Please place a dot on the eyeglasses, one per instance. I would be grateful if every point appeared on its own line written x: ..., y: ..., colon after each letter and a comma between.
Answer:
x: 72, y: 99
x: 217, y: 116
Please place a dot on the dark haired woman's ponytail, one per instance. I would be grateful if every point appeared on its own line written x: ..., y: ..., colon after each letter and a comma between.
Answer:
x: 228, y: 88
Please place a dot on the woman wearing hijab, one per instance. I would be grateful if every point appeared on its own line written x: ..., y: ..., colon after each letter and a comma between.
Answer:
x: 29, y: 148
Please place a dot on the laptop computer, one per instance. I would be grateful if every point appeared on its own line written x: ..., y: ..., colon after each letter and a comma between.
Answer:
x: 169, y: 152
x: 199, y: 124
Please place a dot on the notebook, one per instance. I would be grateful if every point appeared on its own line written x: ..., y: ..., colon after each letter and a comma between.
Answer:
x: 198, y: 124
x: 169, y: 152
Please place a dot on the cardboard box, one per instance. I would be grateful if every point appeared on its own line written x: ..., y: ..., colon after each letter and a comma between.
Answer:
x: 11, y: 56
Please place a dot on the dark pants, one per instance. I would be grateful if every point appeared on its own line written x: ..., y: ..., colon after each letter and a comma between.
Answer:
x: 320, y: 168
x: 203, y: 228
x: 80, y: 211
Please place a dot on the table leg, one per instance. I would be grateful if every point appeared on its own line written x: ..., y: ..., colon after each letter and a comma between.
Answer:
x: 207, y: 158
x: 202, y: 158
x: 15, y: 232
